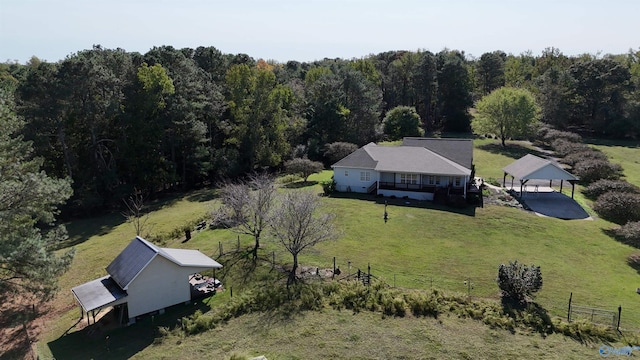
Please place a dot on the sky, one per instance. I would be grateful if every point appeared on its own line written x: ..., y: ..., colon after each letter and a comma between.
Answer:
x: 307, y: 30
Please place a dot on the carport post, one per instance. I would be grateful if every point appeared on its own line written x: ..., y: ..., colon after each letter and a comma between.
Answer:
x: 561, y: 181
x: 573, y: 187
x: 504, y: 179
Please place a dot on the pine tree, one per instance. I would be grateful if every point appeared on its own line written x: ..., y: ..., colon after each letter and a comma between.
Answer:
x: 28, y: 205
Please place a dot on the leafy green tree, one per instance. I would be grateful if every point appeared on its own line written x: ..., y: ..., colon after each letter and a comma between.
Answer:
x: 402, y: 121
x: 260, y: 110
x: 303, y: 167
x: 519, y: 70
x: 28, y: 202
x: 507, y: 112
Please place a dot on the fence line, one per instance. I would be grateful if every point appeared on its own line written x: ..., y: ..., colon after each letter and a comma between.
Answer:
x: 471, y: 285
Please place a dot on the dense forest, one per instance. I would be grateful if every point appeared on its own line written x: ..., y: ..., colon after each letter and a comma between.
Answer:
x: 113, y: 121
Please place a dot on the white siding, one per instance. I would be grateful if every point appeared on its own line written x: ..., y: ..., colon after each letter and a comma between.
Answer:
x: 354, y: 180
x: 161, y: 284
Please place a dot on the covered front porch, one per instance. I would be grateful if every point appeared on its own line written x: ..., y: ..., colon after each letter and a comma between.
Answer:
x: 419, y: 186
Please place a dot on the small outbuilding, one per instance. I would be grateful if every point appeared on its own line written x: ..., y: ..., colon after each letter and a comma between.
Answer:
x: 530, y: 167
x: 142, y: 279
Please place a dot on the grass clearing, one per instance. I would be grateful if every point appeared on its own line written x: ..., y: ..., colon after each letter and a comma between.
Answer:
x: 332, y: 334
x: 624, y: 153
x: 422, y: 245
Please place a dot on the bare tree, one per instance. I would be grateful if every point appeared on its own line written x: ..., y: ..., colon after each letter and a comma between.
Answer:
x: 134, y: 213
x: 298, y: 224
x: 246, y: 206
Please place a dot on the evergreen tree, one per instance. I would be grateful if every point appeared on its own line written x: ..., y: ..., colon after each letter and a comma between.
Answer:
x: 28, y: 201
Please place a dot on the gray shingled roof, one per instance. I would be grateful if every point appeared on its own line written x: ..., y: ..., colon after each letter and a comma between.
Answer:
x: 402, y: 159
x: 458, y: 150
x: 533, y: 167
x: 98, y: 293
x: 358, y: 159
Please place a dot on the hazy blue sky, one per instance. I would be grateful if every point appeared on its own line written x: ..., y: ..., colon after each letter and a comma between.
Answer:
x: 306, y: 30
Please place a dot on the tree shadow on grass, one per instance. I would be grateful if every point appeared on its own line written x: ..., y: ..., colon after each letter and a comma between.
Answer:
x: 514, y: 151
x: 104, y: 340
x: 300, y: 184
x: 531, y: 315
x: 80, y: 230
x: 632, y: 144
x: 469, y: 210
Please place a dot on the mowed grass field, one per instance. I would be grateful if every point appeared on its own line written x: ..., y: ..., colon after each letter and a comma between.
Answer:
x: 420, y: 246
x: 625, y: 153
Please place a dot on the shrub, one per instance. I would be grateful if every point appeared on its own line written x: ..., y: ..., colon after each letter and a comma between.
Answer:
x: 593, y: 170
x: 634, y: 261
x: 591, y: 154
x: 565, y: 147
x: 629, y: 234
x: 336, y: 151
x: 328, y: 186
x: 618, y: 207
x: 303, y: 167
x: 519, y: 282
x: 605, y: 185
x: 494, y: 182
x: 422, y: 305
x: 552, y: 134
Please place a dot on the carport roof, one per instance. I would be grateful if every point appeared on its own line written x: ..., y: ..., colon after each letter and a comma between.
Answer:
x: 99, y: 293
x: 533, y: 167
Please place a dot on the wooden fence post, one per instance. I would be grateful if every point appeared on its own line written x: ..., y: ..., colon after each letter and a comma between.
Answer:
x: 220, y: 247
x: 334, y: 268
x: 569, y: 310
x: 619, y: 314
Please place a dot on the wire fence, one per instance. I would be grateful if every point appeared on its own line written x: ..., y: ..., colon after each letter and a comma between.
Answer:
x: 471, y: 285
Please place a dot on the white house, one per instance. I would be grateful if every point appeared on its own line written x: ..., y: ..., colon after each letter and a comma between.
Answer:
x: 143, y: 278
x: 417, y: 169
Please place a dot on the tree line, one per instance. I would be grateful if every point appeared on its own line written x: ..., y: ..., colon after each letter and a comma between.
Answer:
x: 113, y: 121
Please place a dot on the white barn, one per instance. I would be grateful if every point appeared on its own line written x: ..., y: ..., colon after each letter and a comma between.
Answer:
x: 143, y: 278
x: 416, y: 169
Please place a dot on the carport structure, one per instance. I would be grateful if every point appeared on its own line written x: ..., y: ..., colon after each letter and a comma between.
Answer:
x: 531, y: 167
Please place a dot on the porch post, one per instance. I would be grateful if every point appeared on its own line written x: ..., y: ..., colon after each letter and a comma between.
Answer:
x: 504, y: 179
x: 465, y: 186
x: 572, y: 188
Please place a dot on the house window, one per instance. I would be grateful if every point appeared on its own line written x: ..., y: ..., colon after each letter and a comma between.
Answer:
x: 434, y: 180
x: 408, y: 178
x: 365, y: 176
x: 346, y: 173
x: 457, y: 181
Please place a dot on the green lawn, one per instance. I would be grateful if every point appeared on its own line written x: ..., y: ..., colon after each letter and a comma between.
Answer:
x: 420, y: 246
x: 623, y: 153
